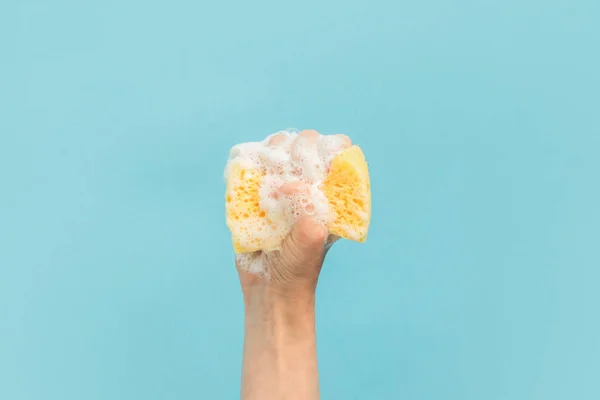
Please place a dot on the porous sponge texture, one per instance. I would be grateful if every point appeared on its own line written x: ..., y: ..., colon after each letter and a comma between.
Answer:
x: 246, y: 220
x: 346, y: 187
x: 348, y: 191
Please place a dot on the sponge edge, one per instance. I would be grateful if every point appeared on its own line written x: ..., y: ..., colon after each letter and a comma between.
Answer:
x: 244, y: 215
x: 337, y: 177
x: 348, y: 191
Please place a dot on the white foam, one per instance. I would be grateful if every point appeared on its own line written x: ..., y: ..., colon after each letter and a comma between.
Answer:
x: 286, y: 157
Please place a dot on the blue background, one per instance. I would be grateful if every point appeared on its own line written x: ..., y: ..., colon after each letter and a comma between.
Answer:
x: 481, y: 122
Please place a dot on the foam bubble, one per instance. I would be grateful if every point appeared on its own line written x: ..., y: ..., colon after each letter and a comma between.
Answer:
x: 298, y: 160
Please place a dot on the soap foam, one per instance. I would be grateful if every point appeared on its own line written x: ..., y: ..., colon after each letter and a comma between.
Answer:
x: 300, y: 160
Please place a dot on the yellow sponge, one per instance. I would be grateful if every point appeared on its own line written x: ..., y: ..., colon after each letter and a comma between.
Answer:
x: 346, y: 188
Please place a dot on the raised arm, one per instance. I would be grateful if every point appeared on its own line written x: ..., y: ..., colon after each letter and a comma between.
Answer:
x: 280, y: 355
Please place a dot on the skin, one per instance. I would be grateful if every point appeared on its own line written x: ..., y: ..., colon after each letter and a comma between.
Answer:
x: 280, y: 353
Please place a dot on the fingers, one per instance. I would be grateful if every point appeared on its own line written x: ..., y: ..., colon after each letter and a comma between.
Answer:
x: 307, y: 231
x: 333, y: 144
x: 344, y: 141
x: 277, y: 139
x: 309, y: 134
x: 298, y: 195
x: 305, y: 155
x: 308, y: 140
x: 293, y: 188
x: 305, y: 142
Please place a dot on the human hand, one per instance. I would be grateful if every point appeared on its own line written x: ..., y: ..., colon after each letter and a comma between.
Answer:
x: 279, y: 341
x: 280, y: 358
x: 293, y: 271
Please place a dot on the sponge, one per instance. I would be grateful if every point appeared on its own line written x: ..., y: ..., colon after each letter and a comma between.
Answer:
x: 333, y: 171
x: 348, y: 191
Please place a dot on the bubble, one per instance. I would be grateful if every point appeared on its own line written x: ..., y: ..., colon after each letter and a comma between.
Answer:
x: 283, y: 157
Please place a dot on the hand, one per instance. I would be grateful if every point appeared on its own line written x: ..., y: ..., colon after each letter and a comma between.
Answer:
x: 293, y: 271
x: 280, y: 359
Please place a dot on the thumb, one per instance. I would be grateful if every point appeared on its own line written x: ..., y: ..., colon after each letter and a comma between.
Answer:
x: 308, y: 236
x: 303, y: 250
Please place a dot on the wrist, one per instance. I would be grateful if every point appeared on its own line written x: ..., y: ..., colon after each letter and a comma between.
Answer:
x: 285, y: 296
x: 279, y: 344
x: 280, y: 306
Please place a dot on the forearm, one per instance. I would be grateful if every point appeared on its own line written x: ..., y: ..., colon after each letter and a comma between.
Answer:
x: 280, y: 358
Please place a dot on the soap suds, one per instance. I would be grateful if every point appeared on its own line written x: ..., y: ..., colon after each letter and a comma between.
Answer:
x: 300, y: 161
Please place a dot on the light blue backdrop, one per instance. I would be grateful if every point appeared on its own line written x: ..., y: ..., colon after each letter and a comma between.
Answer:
x: 481, y: 122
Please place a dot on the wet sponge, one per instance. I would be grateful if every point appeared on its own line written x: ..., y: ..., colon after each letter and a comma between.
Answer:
x: 244, y: 215
x: 337, y: 177
x: 348, y: 191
